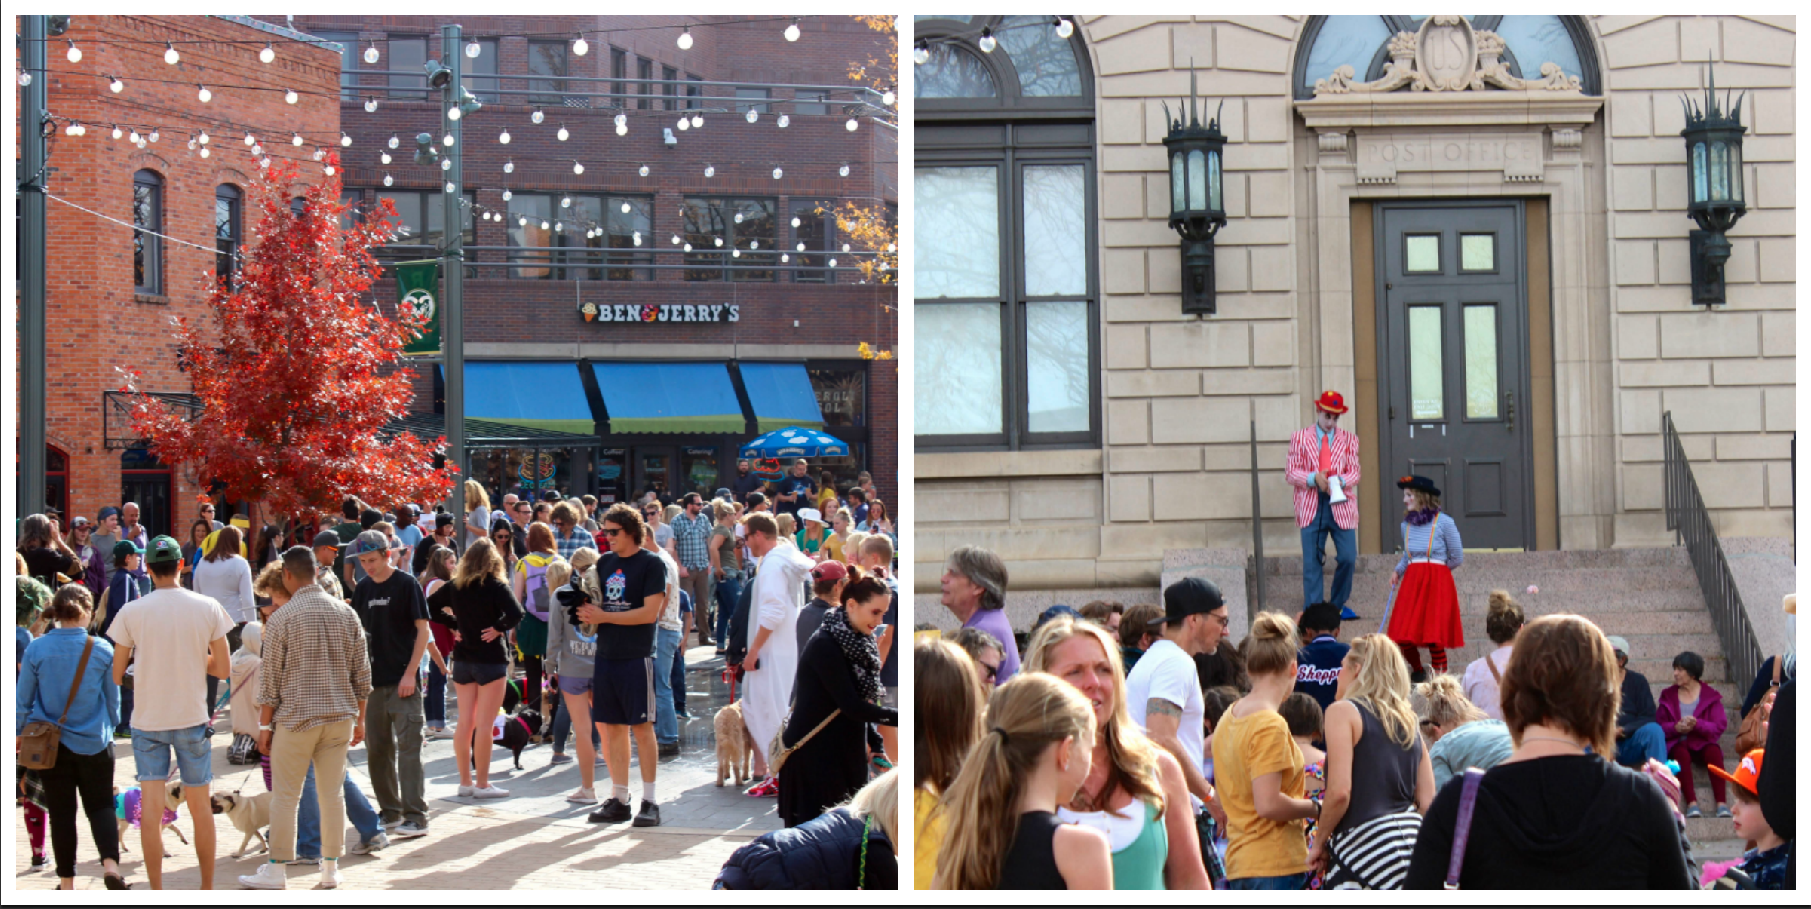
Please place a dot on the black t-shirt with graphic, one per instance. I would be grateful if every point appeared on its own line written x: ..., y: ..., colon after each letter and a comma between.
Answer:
x: 805, y: 488
x: 389, y: 611
x: 623, y: 585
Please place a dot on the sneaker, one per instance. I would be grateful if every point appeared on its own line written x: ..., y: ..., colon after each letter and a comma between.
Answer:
x: 1723, y: 811
x: 613, y: 811
x: 330, y: 876
x: 767, y: 788
x: 304, y: 860
x: 439, y: 732
x: 465, y: 791
x: 560, y: 759
x: 366, y: 847
x: 683, y: 714
x: 490, y: 792
x: 1692, y: 811
x: 39, y: 861
x: 648, y: 816
x: 270, y: 876
x: 410, y: 830
x: 669, y: 749
x: 392, y: 825
x: 583, y: 797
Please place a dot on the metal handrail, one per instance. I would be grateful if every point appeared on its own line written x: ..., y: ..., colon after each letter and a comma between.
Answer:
x: 1691, y: 523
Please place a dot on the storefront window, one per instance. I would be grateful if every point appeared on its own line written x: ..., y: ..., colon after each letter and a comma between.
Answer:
x: 517, y: 470
x: 842, y: 395
x: 611, y: 479
x: 699, y: 472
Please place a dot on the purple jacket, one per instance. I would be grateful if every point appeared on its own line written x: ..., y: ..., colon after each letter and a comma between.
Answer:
x: 94, y: 576
x: 1711, y: 720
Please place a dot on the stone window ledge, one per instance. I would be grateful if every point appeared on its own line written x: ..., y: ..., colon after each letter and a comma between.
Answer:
x: 153, y: 299
x: 983, y: 464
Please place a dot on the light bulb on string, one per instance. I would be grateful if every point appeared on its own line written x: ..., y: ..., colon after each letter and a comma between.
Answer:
x: 891, y: 248
x: 371, y: 53
x: 384, y: 157
x: 389, y: 180
x: 845, y: 247
x: 988, y: 42
x: 635, y: 238
x: 685, y: 123
x: 562, y: 135
x: 795, y: 221
x: 370, y: 105
x: 832, y: 263
x: 675, y: 239
x: 345, y: 141
x: 698, y: 121
x: 290, y: 97
x: 257, y: 150
x: 454, y: 113
x: 752, y: 116
x: 170, y: 55
x: 521, y: 220
x: 685, y: 39
x: 115, y: 85
x: 450, y: 188
x: 688, y: 247
x: 544, y: 225
x: 328, y: 170
x: 319, y: 154
x: 73, y: 129
x: 1064, y: 27
x: 24, y: 80
x: 735, y: 254
x: 579, y: 47
x: 446, y: 163
x: 509, y: 167
x: 887, y: 97
x: 249, y: 141
x: 155, y: 135
x: 578, y: 168
x: 116, y: 132
x: 921, y: 52
x: 801, y: 246
x: 296, y: 140
x: 503, y: 137
x: 625, y: 208
x: 792, y: 31
x: 537, y: 116
x: 622, y: 129
x: 267, y: 54
x: 851, y: 124
x: 507, y: 195
x: 264, y: 162
x: 785, y: 258
x: 203, y: 138
x: 644, y: 170
x: 785, y: 121
x: 75, y: 53
x: 447, y: 140
x: 622, y: 120
x: 843, y: 171
x: 710, y: 171
x: 393, y: 143
x: 776, y: 173
x: 754, y: 244
x: 473, y: 49
x: 565, y: 201
x: 203, y: 94
x: 719, y: 240
x: 204, y: 152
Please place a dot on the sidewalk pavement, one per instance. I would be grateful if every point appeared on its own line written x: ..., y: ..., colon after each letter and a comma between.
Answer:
x: 534, y: 839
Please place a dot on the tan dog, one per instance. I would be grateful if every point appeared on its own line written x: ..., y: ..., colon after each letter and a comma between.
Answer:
x: 173, y: 799
x: 734, y: 748
x: 250, y: 814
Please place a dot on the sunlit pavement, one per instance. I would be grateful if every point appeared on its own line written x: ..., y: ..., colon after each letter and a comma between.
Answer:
x: 532, y: 839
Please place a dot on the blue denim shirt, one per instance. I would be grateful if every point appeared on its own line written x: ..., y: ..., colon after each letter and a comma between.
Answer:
x: 44, y: 677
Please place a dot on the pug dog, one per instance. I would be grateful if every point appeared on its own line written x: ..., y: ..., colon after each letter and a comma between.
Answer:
x: 125, y: 805
x: 250, y: 814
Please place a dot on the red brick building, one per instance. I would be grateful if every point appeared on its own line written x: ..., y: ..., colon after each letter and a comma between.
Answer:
x: 729, y: 352
x: 114, y: 289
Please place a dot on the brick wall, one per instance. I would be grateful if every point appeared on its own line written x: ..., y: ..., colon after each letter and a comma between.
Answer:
x: 96, y: 322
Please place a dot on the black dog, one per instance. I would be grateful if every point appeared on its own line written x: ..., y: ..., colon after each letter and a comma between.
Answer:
x: 512, y: 695
x: 517, y: 730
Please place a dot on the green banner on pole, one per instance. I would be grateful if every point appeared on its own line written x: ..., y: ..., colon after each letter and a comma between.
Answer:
x: 417, y: 290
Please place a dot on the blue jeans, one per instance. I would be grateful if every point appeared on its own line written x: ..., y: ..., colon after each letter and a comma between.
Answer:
x: 436, y: 695
x: 1314, y: 553
x: 666, y: 722
x: 728, y: 591
x: 1647, y: 741
x: 308, y: 816
x: 194, y: 756
x: 1281, y: 882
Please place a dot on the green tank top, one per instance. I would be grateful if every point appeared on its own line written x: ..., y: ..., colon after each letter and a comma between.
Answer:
x: 1139, y: 866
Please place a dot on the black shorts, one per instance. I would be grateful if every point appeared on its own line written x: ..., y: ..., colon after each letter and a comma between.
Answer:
x: 466, y: 672
x: 622, y: 692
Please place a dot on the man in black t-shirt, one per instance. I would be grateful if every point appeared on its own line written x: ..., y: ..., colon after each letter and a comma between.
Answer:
x: 395, y: 616
x: 796, y: 490
x: 627, y: 590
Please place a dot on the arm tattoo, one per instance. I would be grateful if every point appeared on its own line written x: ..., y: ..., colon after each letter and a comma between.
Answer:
x: 1161, y: 707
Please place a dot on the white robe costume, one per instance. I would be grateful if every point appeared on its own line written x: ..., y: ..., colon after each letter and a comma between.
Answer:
x: 779, y: 595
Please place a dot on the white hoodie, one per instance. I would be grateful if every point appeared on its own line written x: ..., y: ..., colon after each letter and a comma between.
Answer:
x: 244, y: 679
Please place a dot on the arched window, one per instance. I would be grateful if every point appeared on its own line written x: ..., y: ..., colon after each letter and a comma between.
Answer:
x: 1362, y: 42
x: 147, y: 224
x: 229, y: 232
x: 1007, y: 306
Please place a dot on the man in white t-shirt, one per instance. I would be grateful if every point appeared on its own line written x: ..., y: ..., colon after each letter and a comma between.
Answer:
x: 174, y: 639
x: 1163, y: 692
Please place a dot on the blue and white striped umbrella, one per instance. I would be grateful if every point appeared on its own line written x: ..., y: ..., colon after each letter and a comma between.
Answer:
x: 794, y: 442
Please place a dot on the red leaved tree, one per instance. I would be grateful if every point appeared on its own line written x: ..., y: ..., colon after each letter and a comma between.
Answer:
x: 296, y: 370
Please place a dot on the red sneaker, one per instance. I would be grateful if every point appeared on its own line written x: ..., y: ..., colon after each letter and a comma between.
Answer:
x: 766, y: 789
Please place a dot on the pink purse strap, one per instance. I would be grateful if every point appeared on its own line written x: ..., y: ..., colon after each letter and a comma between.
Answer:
x: 1468, y: 800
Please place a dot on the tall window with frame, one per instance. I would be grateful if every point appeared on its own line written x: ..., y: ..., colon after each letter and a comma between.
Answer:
x: 408, y: 55
x: 1007, y: 348
x: 670, y: 76
x: 424, y: 219
x: 348, y: 43
x: 147, y: 226
x: 479, y: 74
x: 547, y: 71
x: 644, y: 71
x: 738, y: 233
x: 813, y: 235
x: 694, y: 92
x: 229, y: 233
x: 619, y: 71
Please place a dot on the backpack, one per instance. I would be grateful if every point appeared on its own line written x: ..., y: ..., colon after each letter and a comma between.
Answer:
x: 539, y: 598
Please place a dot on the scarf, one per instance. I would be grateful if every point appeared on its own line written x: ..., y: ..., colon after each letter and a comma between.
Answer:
x: 861, y: 650
x: 1422, y: 516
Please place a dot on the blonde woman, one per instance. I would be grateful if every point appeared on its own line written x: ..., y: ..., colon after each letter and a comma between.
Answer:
x: 485, y: 611
x: 840, y: 527
x: 1002, y: 830
x: 789, y: 529
x: 1461, y: 734
x: 945, y: 686
x: 1258, y: 770
x: 1135, y: 793
x: 477, y: 514
x: 571, y: 655
x: 1379, y: 778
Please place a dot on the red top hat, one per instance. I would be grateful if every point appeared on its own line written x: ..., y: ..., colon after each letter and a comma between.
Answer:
x: 1331, y: 402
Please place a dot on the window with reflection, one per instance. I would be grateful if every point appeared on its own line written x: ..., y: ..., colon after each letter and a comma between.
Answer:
x: 147, y: 227
x: 229, y: 233
x: 644, y: 68
x: 1362, y: 42
x: 408, y: 56
x: 573, y: 237
x: 729, y: 239
x: 479, y: 74
x: 348, y: 45
x: 813, y: 235
x: 422, y: 217
x: 1006, y: 349
x: 547, y: 66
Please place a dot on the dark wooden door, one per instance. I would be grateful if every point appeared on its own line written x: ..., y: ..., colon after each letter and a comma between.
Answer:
x: 1453, y: 364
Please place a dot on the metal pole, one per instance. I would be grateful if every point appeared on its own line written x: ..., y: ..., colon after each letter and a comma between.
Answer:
x: 452, y: 268
x: 32, y: 364
x: 1257, y: 524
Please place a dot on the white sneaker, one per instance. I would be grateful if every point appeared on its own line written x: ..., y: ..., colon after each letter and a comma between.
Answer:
x: 409, y: 830
x: 583, y: 797
x: 439, y: 732
x: 330, y: 876
x: 465, y: 792
x: 270, y: 876
x: 392, y: 825
x: 490, y: 792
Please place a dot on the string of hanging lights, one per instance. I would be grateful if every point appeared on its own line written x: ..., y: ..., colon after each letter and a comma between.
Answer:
x: 987, y: 39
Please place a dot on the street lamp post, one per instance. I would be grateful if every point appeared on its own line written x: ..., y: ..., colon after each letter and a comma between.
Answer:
x: 452, y: 265
x: 32, y: 363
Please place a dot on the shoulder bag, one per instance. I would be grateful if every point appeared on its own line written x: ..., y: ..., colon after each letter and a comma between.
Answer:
x: 778, y: 751
x: 38, y: 742
x: 1752, y: 734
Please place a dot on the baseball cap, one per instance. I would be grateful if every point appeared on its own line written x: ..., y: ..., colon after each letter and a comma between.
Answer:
x: 326, y: 538
x: 722, y: 493
x: 107, y: 512
x: 79, y: 521
x: 1747, y: 774
x: 369, y: 541
x: 126, y: 548
x: 829, y: 571
x: 1620, y: 644
x: 162, y: 550
x: 1190, y: 596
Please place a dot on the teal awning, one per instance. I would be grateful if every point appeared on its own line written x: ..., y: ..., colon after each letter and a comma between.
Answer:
x: 781, y: 395
x: 539, y: 395
x: 670, y: 397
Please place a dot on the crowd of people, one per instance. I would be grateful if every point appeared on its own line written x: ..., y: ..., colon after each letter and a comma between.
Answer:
x: 322, y: 637
x: 1139, y: 748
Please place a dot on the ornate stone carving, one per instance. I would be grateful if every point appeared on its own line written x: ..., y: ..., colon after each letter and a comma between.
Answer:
x: 1446, y: 54
x: 1567, y: 138
x: 1333, y: 143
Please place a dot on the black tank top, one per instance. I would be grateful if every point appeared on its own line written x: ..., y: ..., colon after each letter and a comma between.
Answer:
x: 1383, y: 773
x: 1031, y: 862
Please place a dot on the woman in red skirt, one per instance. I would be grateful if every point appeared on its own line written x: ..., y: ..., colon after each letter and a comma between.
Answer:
x: 1426, y: 611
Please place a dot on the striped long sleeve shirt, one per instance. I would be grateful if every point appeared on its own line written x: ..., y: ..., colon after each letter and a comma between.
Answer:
x: 1445, y: 537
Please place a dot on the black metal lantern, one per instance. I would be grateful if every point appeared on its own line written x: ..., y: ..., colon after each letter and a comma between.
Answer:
x: 1197, y: 209
x: 1713, y: 157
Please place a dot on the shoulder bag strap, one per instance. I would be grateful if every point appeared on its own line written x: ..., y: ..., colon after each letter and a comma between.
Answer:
x: 1777, y: 660
x: 1493, y: 670
x: 1468, y: 800
x: 76, y: 685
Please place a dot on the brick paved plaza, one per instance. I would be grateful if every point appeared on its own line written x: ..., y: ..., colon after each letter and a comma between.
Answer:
x: 534, y: 839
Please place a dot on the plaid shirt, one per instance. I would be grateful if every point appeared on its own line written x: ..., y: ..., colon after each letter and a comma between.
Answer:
x: 316, y: 668
x: 573, y: 542
x: 693, y: 536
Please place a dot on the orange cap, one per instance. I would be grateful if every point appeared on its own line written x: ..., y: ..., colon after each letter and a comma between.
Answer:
x: 1747, y: 773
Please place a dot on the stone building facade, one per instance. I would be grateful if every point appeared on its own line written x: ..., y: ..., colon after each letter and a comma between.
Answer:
x: 1527, y: 223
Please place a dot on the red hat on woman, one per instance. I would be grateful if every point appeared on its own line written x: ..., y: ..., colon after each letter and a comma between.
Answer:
x: 1331, y: 402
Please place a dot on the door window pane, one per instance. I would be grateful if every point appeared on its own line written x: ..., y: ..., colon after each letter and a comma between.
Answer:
x: 813, y: 233
x: 1477, y: 252
x: 408, y: 55
x: 1056, y: 359
x: 754, y: 236
x: 957, y: 232
x: 1056, y: 231
x: 1421, y: 253
x: 1481, y: 361
x: 1427, y: 396
x: 952, y: 73
x: 957, y: 363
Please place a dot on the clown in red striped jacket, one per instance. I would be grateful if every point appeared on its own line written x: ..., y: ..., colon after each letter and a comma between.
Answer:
x: 1304, y: 463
